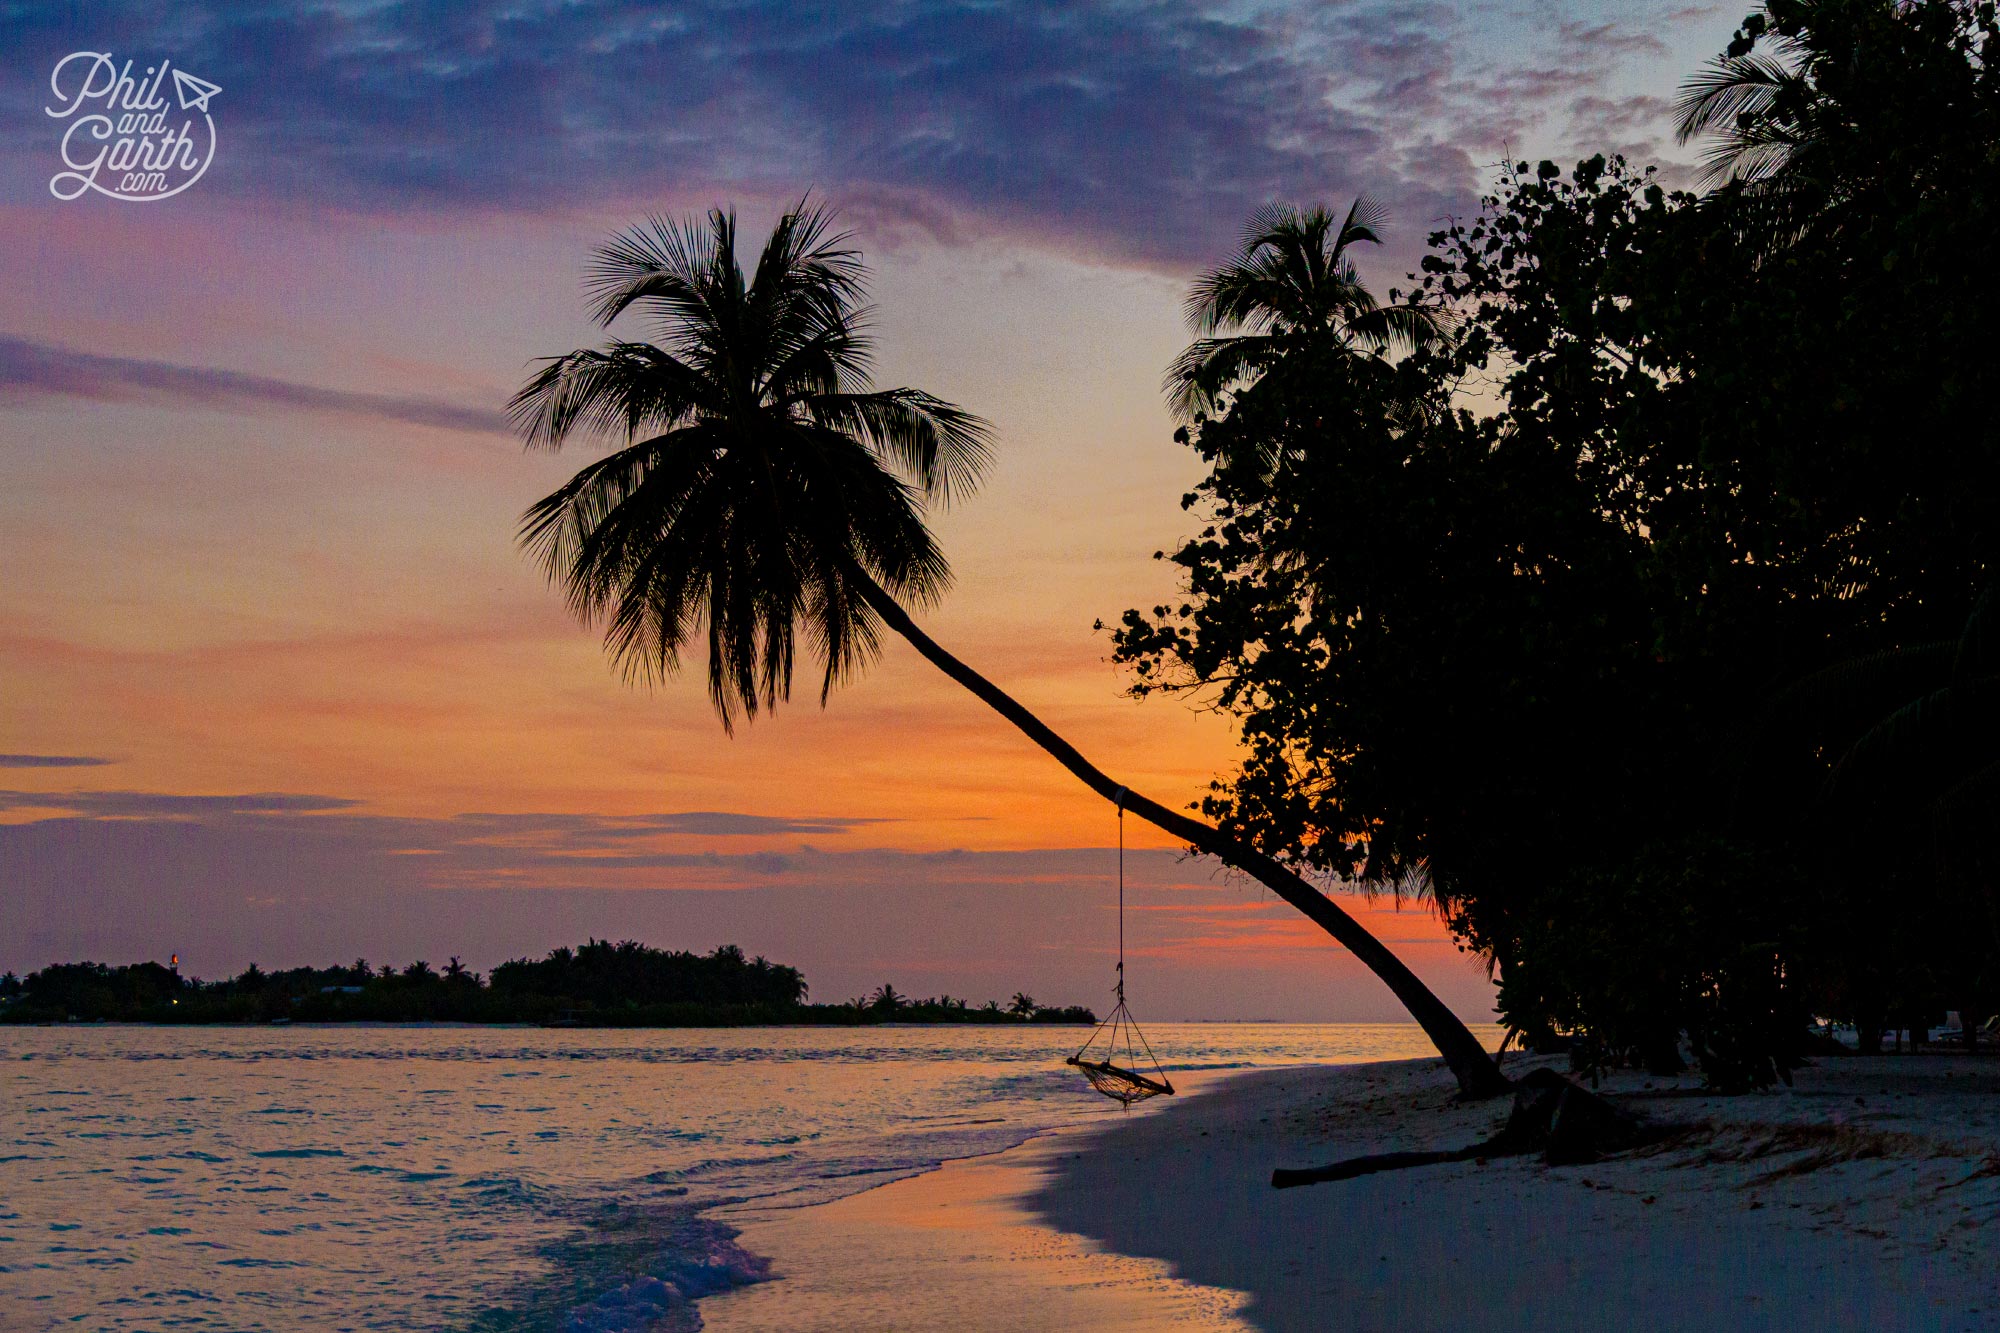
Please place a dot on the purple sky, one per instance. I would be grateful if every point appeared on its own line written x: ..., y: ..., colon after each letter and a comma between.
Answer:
x: 257, y: 536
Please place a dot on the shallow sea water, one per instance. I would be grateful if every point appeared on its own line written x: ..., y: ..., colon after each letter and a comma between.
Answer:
x: 407, y: 1178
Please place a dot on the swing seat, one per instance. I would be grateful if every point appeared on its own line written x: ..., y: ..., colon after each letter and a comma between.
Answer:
x: 1111, y: 1060
x: 1122, y: 1084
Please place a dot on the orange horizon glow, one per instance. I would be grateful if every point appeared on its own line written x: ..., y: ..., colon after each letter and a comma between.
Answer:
x: 234, y: 567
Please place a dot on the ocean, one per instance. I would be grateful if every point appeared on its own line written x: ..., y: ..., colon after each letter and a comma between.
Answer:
x: 424, y: 1178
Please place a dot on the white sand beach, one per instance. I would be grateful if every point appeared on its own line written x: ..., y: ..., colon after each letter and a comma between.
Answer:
x: 1867, y: 1196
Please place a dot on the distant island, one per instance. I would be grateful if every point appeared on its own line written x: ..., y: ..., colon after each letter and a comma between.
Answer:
x: 599, y: 984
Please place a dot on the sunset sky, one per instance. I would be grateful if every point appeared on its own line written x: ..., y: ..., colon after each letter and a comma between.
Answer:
x: 276, y: 683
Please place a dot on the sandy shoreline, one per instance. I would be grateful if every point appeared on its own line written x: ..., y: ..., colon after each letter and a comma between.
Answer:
x: 958, y: 1248
x: 1866, y: 1197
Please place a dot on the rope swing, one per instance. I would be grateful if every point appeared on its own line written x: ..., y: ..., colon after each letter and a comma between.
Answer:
x: 1111, y: 1059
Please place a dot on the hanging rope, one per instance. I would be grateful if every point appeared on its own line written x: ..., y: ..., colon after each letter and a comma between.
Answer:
x: 1110, y: 1060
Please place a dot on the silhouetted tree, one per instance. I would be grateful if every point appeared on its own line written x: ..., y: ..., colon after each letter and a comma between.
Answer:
x: 1510, y: 658
x: 1291, y: 286
x: 758, y: 489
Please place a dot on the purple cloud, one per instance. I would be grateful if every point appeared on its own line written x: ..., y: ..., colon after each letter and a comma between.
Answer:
x: 1607, y: 117
x: 52, y: 761
x: 1582, y: 41
x: 709, y: 823
x: 1136, y: 131
x: 128, y: 804
x: 226, y: 881
x: 30, y: 369
x: 480, y: 840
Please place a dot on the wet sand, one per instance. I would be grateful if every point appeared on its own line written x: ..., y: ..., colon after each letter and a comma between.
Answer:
x: 957, y: 1249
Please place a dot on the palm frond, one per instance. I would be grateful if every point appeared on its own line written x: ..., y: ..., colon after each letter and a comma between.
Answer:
x: 1401, y: 327
x: 806, y: 264
x: 1757, y: 154
x: 943, y: 448
x: 1967, y: 806
x: 1741, y: 101
x: 1280, y: 224
x: 1978, y: 648
x: 1366, y: 217
x: 1727, y: 90
x: 1233, y: 296
x: 1852, y: 693
x: 622, y: 389
x: 1207, y: 367
x: 1928, y: 734
x: 808, y: 357
x: 664, y: 262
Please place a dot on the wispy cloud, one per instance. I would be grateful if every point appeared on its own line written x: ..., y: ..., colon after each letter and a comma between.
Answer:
x: 610, y: 829
x: 51, y: 761
x: 131, y: 804
x: 484, y: 838
x: 30, y: 370
x: 1580, y: 42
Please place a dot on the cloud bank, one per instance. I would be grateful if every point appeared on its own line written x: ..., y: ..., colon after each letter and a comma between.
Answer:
x: 286, y: 878
x: 1138, y: 130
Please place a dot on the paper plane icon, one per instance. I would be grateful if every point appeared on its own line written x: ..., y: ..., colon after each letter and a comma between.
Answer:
x: 193, y: 92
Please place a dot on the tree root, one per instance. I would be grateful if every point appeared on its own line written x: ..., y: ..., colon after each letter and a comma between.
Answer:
x: 1563, y: 1121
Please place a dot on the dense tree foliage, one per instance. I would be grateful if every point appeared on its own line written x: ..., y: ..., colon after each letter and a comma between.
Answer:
x: 597, y: 984
x: 605, y: 974
x: 1581, y: 620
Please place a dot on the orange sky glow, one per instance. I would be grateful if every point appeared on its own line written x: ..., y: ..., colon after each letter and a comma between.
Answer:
x: 262, y: 573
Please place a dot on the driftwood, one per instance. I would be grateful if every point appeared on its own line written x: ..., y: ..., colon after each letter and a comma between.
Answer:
x: 1563, y: 1121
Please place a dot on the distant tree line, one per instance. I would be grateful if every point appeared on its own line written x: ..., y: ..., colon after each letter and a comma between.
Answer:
x: 1625, y: 585
x: 600, y: 984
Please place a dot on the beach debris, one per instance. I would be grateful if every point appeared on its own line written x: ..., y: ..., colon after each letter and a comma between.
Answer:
x: 1566, y: 1123
x: 1584, y: 1126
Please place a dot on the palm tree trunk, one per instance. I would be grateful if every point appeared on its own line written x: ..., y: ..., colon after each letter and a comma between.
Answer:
x: 1478, y: 1074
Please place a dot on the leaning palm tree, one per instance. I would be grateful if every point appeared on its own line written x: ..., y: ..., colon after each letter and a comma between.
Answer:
x: 1292, y: 284
x: 759, y: 489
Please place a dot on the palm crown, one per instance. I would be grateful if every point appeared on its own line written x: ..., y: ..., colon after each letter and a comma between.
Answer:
x: 1292, y: 278
x: 757, y: 482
